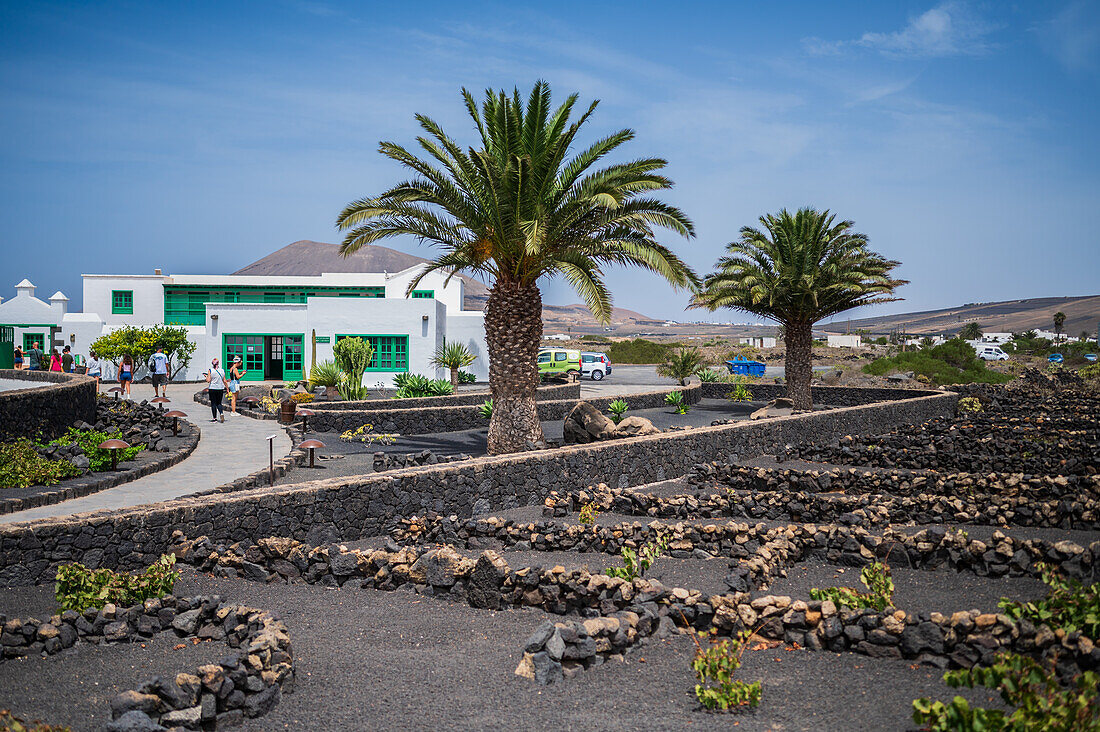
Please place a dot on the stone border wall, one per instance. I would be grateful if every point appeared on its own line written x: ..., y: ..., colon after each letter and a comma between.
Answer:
x: 427, y: 420
x: 833, y: 396
x: 51, y: 403
x: 360, y: 506
x: 86, y: 485
x: 218, y: 695
x: 465, y: 398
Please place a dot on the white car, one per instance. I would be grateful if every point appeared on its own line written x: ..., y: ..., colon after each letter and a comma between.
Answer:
x: 992, y: 353
x: 595, y: 365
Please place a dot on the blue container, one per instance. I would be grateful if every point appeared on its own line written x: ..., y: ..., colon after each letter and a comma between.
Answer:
x: 745, y: 367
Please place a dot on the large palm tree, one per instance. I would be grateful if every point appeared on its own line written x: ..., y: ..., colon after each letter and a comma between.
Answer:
x: 519, y: 208
x: 1059, y: 322
x: 799, y: 269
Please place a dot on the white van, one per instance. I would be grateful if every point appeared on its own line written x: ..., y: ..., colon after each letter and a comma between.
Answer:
x: 991, y: 353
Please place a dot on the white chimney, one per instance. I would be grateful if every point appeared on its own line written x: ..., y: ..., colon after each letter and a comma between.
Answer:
x: 24, y: 288
x: 156, y: 271
x: 59, y: 304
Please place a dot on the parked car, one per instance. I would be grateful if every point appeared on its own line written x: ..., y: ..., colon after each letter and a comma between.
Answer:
x: 1090, y: 357
x: 1055, y: 358
x: 558, y: 362
x: 992, y: 353
x: 594, y: 364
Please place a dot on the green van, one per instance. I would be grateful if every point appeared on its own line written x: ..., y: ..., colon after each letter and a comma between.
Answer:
x: 554, y: 362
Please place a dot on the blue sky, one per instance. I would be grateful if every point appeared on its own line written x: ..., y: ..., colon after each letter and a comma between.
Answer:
x: 961, y: 137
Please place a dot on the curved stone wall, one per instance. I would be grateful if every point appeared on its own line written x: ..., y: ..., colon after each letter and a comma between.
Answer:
x: 366, y: 505
x: 52, y: 402
x: 833, y: 396
x: 465, y: 398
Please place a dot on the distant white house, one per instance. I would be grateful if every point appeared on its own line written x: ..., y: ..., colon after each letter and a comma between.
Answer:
x: 844, y: 341
x: 557, y: 337
x: 757, y: 341
x: 996, y: 338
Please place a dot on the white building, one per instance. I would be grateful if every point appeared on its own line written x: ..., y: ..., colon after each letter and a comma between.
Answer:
x: 757, y: 341
x: 278, y: 325
x: 844, y: 341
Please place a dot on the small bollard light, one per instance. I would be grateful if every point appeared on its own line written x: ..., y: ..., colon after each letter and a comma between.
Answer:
x: 117, y: 390
x: 175, y: 414
x: 160, y: 400
x: 114, y: 446
x: 306, y: 414
x: 271, y: 458
x: 311, y: 445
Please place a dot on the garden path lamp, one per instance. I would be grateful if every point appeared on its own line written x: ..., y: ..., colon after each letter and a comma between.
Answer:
x: 271, y: 457
x: 175, y: 414
x: 311, y: 445
x: 117, y: 390
x: 114, y: 446
x: 160, y: 400
x: 305, y: 414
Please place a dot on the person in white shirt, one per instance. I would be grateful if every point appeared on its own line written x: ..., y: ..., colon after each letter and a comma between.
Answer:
x: 158, y: 365
x: 95, y: 368
x: 216, y: 378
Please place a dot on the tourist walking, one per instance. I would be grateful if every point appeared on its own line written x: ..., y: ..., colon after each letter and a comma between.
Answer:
x: 235, y: 374
x: 95, y: 368
x: 126, y: 374
x: 34, y: 357
x: 215, y: 377
x: 67, y: 361
x: 18, y: 358
x: 158, y: 365
x: 55, y: 360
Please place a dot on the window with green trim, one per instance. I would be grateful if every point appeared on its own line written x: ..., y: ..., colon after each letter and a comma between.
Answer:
x: 122, y: 302
x: 186, y: 306
x: 423, y: 294
x: 391, y: 352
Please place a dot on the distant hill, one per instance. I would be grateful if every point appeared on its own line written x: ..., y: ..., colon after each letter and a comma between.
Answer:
x: 311, y: 258
x: 1010, y: 316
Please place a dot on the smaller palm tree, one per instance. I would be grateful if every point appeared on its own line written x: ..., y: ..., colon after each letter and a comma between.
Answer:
x: 971, y: 331
x: 681, y: 363
x: 1059, y: 322
x: 453, y: 356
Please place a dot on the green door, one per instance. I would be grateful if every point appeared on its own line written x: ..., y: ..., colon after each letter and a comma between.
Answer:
x: 7, y: 347
x: 250, y: 349
x: 292, y: 357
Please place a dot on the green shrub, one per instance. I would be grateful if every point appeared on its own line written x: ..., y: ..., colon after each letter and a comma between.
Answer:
x: 79, y: 588
x: 740, y: 392
x: 353, y: 356
x: 465, y: 377
x: 880, y: 594
x: 1069, y: 605
x: 1090, y: 373
x: 1040, y: 701
x: 485, y: 409
x: 588, y: 514
x: 952, y: 362
x: 712, y: 376
x: 440, y: 387
x: 324, y: 373
x: 89, y: 441
x: 970, y: 405
x: 681, y: 363
x: 412, y: 385
x: 21, y: 466
x: 617, y: 408
x: 714, y: 667
x: 675, y: 399
x: 638, y: 350
x: 636, y: 564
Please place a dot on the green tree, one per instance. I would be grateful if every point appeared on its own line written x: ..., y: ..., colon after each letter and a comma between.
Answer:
x: 518, y: 209
x: 1059, y: 322
x: 680, y: 364
x: 453, y: 356
x: 801, y: 268
x: 971, y: 331
x: 141, y: 343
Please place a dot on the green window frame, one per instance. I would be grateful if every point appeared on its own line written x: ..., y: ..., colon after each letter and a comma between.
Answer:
x: 185, y: 305
x: 391, y: 352
x: 122, y: 302
x: 29, y: 339
x: 423, y: 294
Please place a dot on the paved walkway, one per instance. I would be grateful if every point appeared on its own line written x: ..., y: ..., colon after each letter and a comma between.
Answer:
x: 226, y: 451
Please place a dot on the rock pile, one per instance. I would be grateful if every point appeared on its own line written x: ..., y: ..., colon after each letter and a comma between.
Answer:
x: 584, y: 424
x: 247, y: 683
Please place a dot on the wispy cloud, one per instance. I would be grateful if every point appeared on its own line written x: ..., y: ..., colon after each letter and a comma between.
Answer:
x: 949, y: 29
x: 1073, y: 36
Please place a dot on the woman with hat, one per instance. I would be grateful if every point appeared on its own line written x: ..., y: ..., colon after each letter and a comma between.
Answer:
x: 235, y: 374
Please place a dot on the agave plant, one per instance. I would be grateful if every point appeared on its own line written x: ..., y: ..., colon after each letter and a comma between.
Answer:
x: 440, y: 387
x: 325, y: 373
x: 485, y: 409
x: 453, y: 356
x: 676, y: 400
x: 617, y: 409
x: 410, y: 386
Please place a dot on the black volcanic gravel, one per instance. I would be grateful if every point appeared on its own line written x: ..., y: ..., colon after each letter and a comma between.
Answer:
x: 396, y: 660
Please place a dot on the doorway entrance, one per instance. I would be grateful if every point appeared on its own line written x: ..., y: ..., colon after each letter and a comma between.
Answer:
x: 273, y: 361
x: 271, y: 357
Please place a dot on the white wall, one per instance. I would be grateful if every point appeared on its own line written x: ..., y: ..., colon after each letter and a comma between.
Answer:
x: 468, y: 327
x: 148, y: 298
x: 844, y: 341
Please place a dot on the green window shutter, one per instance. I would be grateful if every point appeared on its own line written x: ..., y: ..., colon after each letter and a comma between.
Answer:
x: 122, y: 302
x: 391, y: 352
x: 423, y: 294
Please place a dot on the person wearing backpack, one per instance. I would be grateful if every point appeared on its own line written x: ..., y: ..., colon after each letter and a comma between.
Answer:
x: 34, y: 358
x: 217, y: 380
x: 158, y: 365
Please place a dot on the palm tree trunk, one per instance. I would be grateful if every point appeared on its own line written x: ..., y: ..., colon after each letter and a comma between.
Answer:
x: 513, y: 333
x: 454, y: 377
x: 799, y: 364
